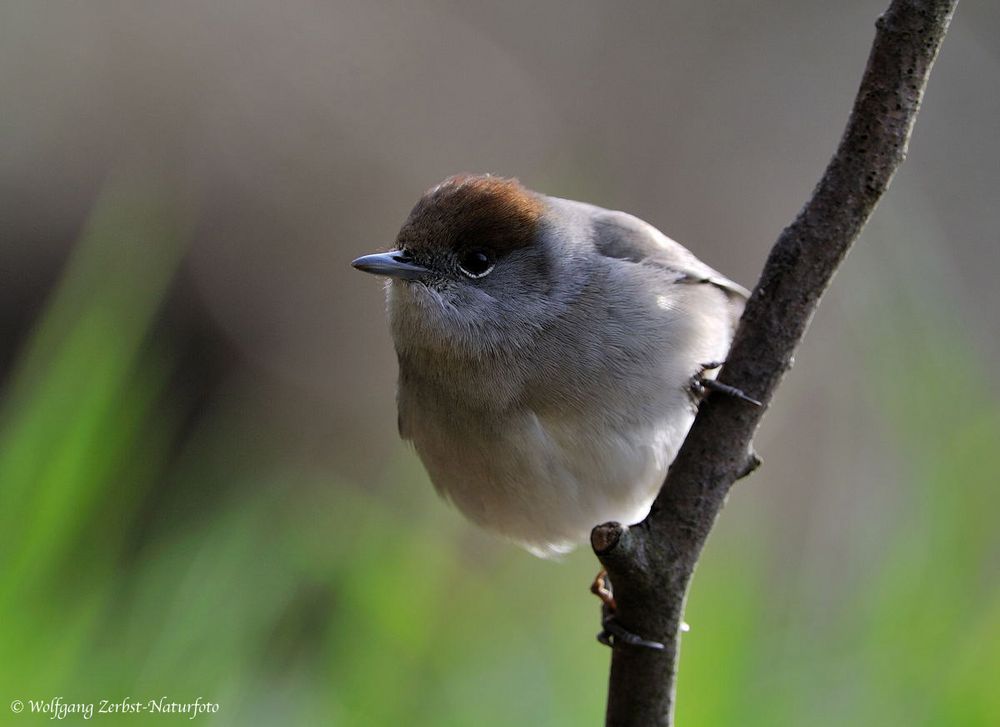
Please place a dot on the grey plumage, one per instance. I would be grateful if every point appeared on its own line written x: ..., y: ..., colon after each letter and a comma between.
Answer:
x: 551, y: 394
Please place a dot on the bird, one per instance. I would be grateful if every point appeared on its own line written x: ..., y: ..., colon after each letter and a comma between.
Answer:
x: 551, y: 355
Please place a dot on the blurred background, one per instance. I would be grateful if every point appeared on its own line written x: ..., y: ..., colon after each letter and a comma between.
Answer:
x: 202, y: 493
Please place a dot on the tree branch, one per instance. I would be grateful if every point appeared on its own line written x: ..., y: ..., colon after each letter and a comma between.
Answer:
x: 650, y: 564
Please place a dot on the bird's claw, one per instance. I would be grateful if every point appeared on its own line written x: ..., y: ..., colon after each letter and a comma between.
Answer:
x: 613, y: 632
x: 700, y: 384
x: 601, y: 587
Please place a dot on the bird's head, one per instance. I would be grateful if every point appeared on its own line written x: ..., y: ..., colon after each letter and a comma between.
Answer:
x: 475, y: 267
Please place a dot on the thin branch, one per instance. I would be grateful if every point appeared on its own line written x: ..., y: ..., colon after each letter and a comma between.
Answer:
x: 650, y: 564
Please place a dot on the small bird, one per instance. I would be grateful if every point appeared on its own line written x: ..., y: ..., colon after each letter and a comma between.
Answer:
x: 548, y: 350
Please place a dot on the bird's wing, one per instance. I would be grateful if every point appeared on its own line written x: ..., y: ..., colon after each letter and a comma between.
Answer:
x: 623, y: 236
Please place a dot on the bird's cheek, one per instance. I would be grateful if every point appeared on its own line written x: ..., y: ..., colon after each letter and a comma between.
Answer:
x: 403, y: 293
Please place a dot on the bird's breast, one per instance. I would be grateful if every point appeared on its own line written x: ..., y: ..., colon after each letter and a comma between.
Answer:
x: 544, y: 480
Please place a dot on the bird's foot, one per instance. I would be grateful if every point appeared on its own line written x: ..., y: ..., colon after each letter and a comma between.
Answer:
x: 701, y: 385
x: 601, y: 587
x: 613, y: 632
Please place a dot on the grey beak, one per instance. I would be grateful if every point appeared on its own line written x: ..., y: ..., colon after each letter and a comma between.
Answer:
x: 394, y: 264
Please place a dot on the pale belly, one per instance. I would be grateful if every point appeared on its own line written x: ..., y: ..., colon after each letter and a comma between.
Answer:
x: 545, y: 484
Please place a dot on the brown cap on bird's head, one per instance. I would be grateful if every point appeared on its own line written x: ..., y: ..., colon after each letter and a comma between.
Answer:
x: 478, y: 216
x: 473, y: 209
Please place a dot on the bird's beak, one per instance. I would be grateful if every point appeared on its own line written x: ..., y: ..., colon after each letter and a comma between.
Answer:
x: 394, y: 264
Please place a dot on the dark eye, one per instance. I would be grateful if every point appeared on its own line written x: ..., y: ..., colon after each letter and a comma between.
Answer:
x: 476, y: 263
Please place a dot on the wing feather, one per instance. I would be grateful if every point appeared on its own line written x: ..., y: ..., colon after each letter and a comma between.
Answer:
x: 623, y: 236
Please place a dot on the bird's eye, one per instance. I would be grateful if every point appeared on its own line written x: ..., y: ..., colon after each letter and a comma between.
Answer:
x: 476, y: 263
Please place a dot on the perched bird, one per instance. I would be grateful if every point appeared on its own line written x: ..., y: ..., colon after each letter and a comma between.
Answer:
x: 547, y: 350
